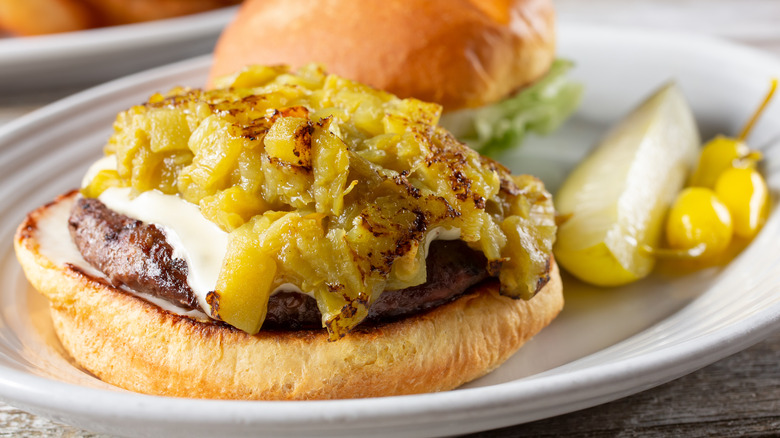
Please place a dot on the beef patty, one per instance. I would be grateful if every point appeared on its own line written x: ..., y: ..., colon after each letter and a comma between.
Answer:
x: 137, y: 255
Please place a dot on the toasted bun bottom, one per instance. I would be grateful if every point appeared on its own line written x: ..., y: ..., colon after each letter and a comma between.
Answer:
x: 133, y: 344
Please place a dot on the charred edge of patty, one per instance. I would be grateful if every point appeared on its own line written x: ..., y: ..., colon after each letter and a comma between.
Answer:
x: 130, y: 252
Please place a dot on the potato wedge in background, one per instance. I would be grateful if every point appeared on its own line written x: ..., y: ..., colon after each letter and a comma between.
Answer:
x: 113, y: 12
x: 37, y: 17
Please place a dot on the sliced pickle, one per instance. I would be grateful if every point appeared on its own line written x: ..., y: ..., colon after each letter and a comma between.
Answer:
x: 615, y: 200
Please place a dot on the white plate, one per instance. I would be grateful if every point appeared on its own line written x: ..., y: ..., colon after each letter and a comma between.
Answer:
x: 76, y: 59
x: 606, y: 344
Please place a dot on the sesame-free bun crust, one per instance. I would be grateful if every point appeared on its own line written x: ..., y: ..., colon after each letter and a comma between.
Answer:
x: 459, y: 53
x: 133, y: 344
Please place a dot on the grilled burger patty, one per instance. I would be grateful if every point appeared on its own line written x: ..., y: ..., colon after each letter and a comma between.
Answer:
x: 137, y: 255
x: 130, y: 252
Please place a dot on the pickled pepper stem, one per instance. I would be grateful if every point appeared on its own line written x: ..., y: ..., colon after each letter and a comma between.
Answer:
x: 669, y: 253
x: 746, y: 130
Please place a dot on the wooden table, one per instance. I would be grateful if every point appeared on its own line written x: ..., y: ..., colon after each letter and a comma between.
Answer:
x: 737, y: 396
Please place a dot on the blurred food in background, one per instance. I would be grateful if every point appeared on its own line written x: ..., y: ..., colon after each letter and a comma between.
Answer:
x: 39, y: 17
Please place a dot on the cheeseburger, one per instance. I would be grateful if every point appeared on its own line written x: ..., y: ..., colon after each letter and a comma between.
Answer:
x: 296, y: 235
x: 490, y: 63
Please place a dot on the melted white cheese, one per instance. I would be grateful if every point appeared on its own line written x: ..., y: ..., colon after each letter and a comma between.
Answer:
x: 441, y: 233
x: 290, y: 287
x: 194, y: 239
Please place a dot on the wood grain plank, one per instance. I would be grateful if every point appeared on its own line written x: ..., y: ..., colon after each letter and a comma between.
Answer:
x: 735, y: 397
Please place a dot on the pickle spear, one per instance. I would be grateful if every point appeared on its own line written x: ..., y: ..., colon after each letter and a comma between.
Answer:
x: 613, y: 203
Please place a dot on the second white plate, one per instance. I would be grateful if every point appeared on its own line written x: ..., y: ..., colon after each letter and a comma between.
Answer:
x: 42, y: 64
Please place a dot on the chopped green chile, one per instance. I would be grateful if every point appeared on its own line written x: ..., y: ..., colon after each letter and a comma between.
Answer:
x: 329, y: 185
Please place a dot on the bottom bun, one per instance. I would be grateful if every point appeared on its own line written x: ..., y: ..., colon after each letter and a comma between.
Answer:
x: 126, y: 341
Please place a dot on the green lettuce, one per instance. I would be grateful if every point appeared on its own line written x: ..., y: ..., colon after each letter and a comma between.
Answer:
x: 539, y: 108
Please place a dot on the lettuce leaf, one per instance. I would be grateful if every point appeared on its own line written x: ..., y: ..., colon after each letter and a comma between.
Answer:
x: 539, y: 108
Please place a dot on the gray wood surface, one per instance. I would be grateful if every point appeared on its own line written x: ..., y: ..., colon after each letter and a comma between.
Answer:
x: 736, y: 397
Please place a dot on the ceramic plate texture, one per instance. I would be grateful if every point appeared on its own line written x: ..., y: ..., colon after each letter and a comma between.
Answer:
x: 75, y: 59
x: 606, y: 344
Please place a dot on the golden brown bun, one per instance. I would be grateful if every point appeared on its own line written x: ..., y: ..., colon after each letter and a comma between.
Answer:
x: 459, y: 53
x: 135, y: 345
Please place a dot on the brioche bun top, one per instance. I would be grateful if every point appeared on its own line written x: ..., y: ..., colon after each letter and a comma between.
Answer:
x: 459, y: 53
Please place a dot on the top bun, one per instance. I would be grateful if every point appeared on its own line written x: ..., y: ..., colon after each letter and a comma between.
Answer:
x: 458, y: 53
